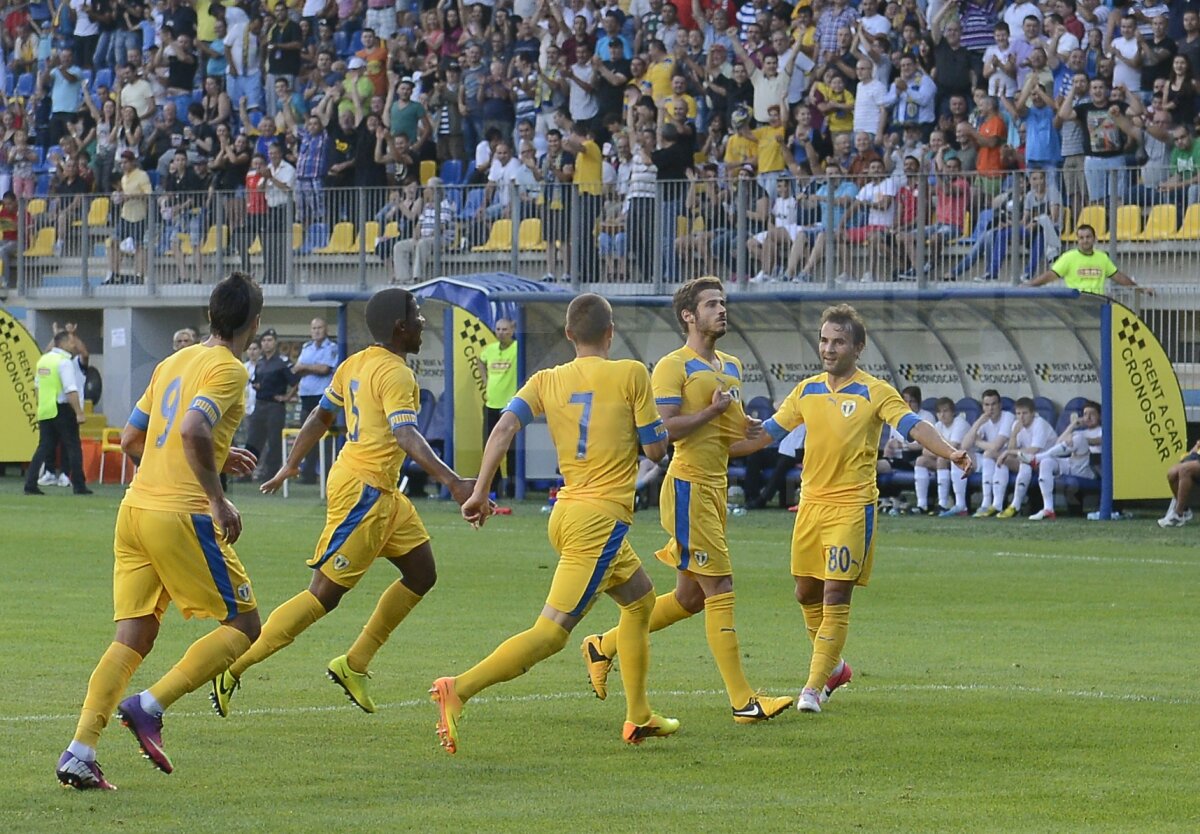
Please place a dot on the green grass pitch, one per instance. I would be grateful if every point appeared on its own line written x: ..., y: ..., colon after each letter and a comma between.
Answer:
x: 1009, y: 676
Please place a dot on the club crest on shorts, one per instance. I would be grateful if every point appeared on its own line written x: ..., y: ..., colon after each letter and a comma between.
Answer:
x: 700, y: 557
x: 243, y: 592
x: 340, y: 562
x: 848, y: 407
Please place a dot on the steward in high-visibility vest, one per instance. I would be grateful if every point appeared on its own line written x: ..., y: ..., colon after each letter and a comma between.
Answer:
x: 60, y: 411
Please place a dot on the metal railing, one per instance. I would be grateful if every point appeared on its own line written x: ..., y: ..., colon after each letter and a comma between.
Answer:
x: 769, y: 232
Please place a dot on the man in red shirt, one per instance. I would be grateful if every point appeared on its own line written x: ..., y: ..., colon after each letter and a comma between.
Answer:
x: 256, y: 208
x: 989, y: 130
x: 8, y: 238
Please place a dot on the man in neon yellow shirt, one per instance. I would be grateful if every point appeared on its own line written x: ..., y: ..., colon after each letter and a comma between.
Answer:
x: 498, y: 366
x: 1086, y: 268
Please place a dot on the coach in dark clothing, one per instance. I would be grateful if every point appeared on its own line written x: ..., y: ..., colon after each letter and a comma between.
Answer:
x: 274, y: 386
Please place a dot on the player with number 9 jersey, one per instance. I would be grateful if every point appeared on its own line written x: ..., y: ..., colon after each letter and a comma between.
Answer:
x: 164, y: 518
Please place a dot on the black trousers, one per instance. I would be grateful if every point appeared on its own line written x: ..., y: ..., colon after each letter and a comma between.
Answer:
x: 275, y: 245
x: 263, y: 428
x: 491, y: 416
x: 62, y: 428
x: 308, y: 469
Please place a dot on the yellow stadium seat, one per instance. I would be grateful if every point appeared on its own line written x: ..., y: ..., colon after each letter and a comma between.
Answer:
x: 209, y: 247
x: 43, y: 244
x: 36, y: 206
x: 97, y: 214
x: 499, y: 238
x: 1161, y: 224
x: 392, y: 229
x: 1190, y: 230
x: 681, y: 226
x: 370, y: 234
x: 185, y: 243
x: 341, y: 242
x: 255, y: 247
x: 1129, y: 222
x: 297, y: 236
x: 428, y: 170
x: 698, y: 224
x: 1094, y: 216
x: 529, y: 235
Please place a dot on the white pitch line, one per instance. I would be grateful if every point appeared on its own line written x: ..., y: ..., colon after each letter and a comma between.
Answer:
x: 1064, y: 557
x: 1083, y: 694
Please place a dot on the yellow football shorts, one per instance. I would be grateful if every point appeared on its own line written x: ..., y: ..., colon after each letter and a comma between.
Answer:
x: 362, y: 523
x: 163, y: 556
x: 834, y: 542
x: 694, y: 516
x: 593, y: 556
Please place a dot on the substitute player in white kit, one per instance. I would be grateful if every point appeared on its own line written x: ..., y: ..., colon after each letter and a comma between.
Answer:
x: 987, y: 439
x: 1071, y: 455
x: 1032, y: 434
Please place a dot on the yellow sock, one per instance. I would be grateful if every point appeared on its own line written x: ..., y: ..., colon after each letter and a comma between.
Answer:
x: 204, y: 660
x: 812, y: 619
x: 723, y: 643
x: 515, y: 656
x: 105, y: 688
x: 827, y: 649
x: 281, y: 628
x: 395, y: 604
x: 633, y: 642
x: 667, y: 611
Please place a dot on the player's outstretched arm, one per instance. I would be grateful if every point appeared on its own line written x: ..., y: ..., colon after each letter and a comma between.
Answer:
x: 196, y: 435
x: 477, y: 507
x: 417, y: 448
x: 925, y: 434
x: 314, y: 428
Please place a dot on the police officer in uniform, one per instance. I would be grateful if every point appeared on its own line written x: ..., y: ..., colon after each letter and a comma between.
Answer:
x: 274, y: 386
x: 60, y: 411
x: 315, y: 367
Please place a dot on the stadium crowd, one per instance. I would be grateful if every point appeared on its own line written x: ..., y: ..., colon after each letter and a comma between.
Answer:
x: 609, y: 116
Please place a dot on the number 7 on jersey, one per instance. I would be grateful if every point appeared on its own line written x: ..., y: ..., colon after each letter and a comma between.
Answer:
x: 583, y: 398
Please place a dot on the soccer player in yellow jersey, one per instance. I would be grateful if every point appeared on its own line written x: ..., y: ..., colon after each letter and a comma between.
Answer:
x: 833, y: 542
x: 174, y: 534
x: 698, y: 392
x: 366, y: 516
x: 598, y: 411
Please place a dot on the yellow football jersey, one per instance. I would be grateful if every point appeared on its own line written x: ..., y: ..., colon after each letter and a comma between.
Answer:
x: 599, y: 411
x: 210, y: 380
x: 684, y: 379
x: 844, y: 430
x: 379, y: 393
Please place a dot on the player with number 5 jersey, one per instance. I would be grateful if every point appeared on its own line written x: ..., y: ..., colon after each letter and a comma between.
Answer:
x: 366, y: 515
x: 174, y: 535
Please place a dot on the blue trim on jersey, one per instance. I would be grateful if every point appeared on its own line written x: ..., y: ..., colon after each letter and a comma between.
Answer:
x: 731, y: 369
x: 683, y: 532
x: 207, y: 536
x: 611, y: 547
x: 353, y: 518
x: 668, y: 400
x: 858, y: 390
x: 907, y: 423
x: 328, y: 404
x: 870, y: 511
x: 202, y: 405
x: 139, y: 419
x: 521, y: 410
x: 651, y: 433
x: 776, y: 431
x: 815, y: 388
x: 695, y: 366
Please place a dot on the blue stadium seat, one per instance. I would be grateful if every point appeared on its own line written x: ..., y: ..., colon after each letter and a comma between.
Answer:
x: 25, y: 85
x: 315, y: 237
x: 470, y: 169
x: 427, y: 402
x: 104, y: 78
x: 341, y: 44
x: 1073, y: 406
x: 1045, y: 409
x: 44, y: 165
x: 929, y: 404
x: 452, y: 171
x: 970, y: 408
x: 356, y: 41
x: 760, y: 407
x: 1007, y: 404
x: 10, y: 84
x: 153, y: 175
x: 1076, y: 404
x: 42, y: 187
x: 472, y: 205
x: 87, y: 78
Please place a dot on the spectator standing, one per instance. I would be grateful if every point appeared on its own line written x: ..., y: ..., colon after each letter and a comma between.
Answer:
x: 245, y: 63
x: 375, y: 54
x: 589, y: 183
x: 405, y: 115
x: 311, y: 167
x: 869, y: 113
x: 66, y: 94
x: 953, y: 66
x: 9, y: 238
x: 134, y: 90
x: 315, y: 366
x: 274, y: 387
x: 283, y: 47
x: 413, y: 254
x: 59, y: 413
x: 1107, y: 133
x: 180, y: 59
x: 497, y: 363
x: 911, y: 97
x: 583, y: 103
x: 133, y: 196
x: 86, y: 31
x: 280, y: 183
